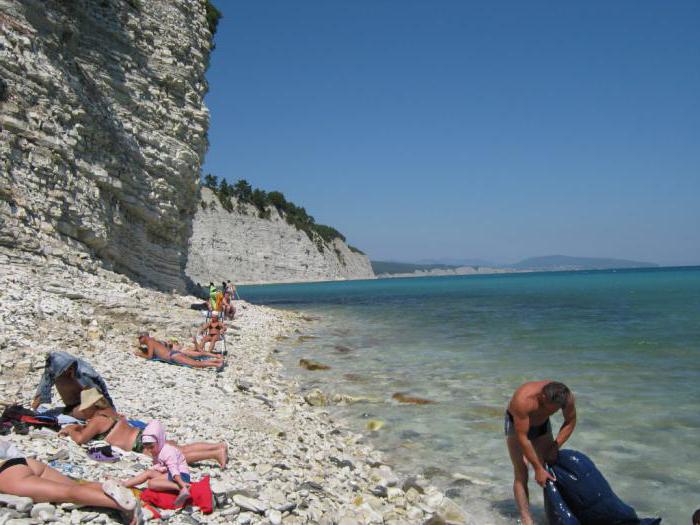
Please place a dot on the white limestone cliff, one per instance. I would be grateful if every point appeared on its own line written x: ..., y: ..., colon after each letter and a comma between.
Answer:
x: 102, y: 132
x: 241, y: 246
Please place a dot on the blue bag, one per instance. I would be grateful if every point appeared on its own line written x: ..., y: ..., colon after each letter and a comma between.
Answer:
x: 588, y: 495
x: 556, y: 509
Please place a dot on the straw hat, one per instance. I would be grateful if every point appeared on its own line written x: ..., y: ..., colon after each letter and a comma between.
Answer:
x: 89, y: 397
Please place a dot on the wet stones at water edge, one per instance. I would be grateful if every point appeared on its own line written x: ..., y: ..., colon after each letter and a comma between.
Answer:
x: 312, y: 365
x: 405, y: 398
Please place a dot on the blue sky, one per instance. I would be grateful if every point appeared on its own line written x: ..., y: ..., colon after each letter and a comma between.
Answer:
x: 496, y: 130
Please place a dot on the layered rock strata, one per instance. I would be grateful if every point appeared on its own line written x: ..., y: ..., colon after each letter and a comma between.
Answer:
x: 241, y: 246
x: 102, y: 131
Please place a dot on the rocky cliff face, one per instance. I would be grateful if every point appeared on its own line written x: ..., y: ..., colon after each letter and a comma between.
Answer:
x: 242, y: 247
x: 103, y: 131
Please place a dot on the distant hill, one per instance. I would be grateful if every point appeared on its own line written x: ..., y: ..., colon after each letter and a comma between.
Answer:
x: 564, y: 262
x: 386, y: 267
x: 460, y: 262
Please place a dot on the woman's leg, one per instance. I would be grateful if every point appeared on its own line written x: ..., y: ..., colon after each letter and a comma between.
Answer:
x: 21, y: 481
x: 205, y: 451
x: 50, y: 474
x: 212, y: 340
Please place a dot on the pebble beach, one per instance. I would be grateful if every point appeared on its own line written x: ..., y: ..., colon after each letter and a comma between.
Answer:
x: 289, y: 461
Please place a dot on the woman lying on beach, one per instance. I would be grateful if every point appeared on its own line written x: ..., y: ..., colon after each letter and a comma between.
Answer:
x: 169, y: 472
x: 150, y: 348
x: 104, y: 423
x: 26, y: 477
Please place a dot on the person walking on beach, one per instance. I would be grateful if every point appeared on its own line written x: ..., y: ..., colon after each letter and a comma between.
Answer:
x: 528, y: 433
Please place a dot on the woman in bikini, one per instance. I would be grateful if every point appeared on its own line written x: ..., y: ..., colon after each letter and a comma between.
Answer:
x: 150, y: 348
x: 104, y: 423
x: 26, y: 477
x: 212, y: 330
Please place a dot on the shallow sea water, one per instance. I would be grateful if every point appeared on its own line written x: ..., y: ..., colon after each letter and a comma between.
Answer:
x: 627, y: 342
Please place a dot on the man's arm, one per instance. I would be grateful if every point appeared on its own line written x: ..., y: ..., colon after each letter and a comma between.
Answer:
x: 150, y: 349
x: 569, y: 412
x: 43, y: 391
x: 521, y: 422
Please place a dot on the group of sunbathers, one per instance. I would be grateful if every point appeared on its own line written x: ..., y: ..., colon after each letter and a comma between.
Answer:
x: 219, y: 307
x: 87, y: 401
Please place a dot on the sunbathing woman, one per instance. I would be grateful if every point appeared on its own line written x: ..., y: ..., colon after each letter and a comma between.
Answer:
x: 212, y: 330
x: 104, y: 423
x: 150, y: 348
x: 29, y: 478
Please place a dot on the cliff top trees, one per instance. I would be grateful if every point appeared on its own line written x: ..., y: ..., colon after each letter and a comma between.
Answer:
x: 295, y: 215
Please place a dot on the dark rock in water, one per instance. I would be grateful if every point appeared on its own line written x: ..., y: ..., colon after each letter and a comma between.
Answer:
x: 411, y: 483
x: 461, y: 482
x: 304, y: 338
x: 353, y: 377
x: 281, y: 338
x: 435, y: 520
x: 409, y: 434
x: 379, y: 491
x: 308, y: 318
x: 453, y: 493
x: 312, y: 365
x: 404, y: 398
x: 342, y: 349
x: 432, y: 472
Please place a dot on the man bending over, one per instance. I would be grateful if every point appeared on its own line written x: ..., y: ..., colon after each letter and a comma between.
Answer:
x: 529, y: 434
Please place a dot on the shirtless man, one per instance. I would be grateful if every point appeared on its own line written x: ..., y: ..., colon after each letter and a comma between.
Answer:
x: 529, y: 434
x: 150, y: 348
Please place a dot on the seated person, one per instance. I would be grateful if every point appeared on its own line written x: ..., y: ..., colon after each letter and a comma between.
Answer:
x: 150, y: 348
x: 212, y: 330
x: 227, y: 308
x: 71, y: 375
x: 169, y: 472
x: 26, y: 477
x: 104, y: 423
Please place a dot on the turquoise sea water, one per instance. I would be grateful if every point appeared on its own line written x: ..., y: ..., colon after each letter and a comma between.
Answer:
x: 627, y: 342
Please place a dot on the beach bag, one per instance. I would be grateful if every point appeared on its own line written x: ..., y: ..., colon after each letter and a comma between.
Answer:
x: 588, y: 495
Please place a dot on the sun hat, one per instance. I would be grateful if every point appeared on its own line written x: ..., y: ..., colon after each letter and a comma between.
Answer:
x: 148, y: 439
x: 89, y: 397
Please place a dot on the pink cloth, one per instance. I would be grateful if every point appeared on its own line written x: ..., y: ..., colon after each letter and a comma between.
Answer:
x: 168, y: 457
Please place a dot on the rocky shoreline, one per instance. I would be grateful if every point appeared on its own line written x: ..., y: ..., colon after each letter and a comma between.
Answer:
x: 290, y: 462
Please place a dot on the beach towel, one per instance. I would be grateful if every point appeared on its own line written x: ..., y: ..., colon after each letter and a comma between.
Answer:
x: 587, y: 495
x: 200, y: 492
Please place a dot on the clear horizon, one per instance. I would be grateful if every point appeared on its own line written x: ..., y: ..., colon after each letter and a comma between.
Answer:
x: 468, y: 131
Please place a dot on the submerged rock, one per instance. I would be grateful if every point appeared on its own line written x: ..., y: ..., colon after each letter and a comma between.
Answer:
x: 316, y: 398
x: 375, y: 424
x: 404, y: 398
x: 312, y: 365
